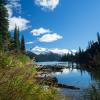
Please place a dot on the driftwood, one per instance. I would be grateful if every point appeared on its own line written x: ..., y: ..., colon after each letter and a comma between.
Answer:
x: 43, y: 79
x: 52, y: 81
x: 67, y: 86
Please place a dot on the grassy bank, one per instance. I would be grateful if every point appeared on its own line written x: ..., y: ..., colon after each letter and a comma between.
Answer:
x: 17, y: 80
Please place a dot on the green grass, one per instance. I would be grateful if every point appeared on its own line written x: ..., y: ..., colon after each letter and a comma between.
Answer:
x: 17, y: 80
x: 13, y: 60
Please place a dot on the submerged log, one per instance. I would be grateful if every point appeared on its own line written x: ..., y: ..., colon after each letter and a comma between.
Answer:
x: 66, y: 86
x: 44, y: 79
x: 52, y: 81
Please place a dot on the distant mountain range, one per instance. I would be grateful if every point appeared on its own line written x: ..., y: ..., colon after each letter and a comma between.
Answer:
x: 44, y: 57
x: 40, y: 50
x: 44, y: 54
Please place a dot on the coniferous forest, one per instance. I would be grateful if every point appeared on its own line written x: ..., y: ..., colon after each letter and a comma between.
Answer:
x: 89, y: 57
x: 8, y: 42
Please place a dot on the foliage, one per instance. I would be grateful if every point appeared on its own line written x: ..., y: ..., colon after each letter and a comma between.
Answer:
x: 3, y: 1
x: 17, y: 81
x: 4, y: 24
x: 90, y: 56
x: 12, y: 60
x: 19, y: 84
x: 1, y: 42
x: 16, y: 39
x: 22, y: 44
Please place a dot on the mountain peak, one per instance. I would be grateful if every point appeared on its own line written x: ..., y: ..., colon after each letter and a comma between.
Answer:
x: 41, y: 50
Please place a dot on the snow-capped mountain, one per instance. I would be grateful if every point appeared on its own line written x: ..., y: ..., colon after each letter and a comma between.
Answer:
x: 40, y: 50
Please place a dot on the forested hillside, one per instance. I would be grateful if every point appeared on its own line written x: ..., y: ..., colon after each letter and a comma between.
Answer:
x: 90, y: 56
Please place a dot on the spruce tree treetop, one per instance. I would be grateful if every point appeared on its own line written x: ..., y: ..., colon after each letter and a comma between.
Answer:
x: 3, y: 2
x: 4, y: 24
x: 22, y: 44
x: 3, y: 19
x: 16, y: 39
x: 98, y: 37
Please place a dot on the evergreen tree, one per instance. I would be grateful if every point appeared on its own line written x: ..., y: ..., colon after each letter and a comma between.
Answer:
x: 1, y: 44
x: 98, y: 37
x: 22, y: 44
x: 9, y: 39
x: 4, y: 24
x: 3, y: 2
x: 16, y: 39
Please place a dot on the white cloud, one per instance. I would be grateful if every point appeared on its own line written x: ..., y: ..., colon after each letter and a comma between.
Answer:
x: 50, y: 37
x: 37, y: 32
x: 19, y: 21
x: 22, y: 23
x: 28, y: 43
x: 47, y: 4
x: 10, y: 12
x: 15, y: 4
x: 42, y: 50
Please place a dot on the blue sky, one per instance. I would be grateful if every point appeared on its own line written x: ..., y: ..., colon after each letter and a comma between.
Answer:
x: 64, y: 23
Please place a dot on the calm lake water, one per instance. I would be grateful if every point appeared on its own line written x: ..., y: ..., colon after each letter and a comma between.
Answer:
x: 75, y: 77
x: 52, y: 63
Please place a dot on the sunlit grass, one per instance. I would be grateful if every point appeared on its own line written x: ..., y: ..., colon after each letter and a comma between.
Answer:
x: 17, y: 80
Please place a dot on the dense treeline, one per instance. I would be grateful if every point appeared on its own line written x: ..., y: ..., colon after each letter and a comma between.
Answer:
x: 8, y: 42
x: 3, y: 25
x: 90, y: 56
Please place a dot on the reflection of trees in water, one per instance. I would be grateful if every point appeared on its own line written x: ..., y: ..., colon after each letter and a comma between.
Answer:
x: 95, y: 74
x: 93, y: 93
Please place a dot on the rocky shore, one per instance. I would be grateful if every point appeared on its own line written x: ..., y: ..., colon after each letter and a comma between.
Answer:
x: 43, y: 78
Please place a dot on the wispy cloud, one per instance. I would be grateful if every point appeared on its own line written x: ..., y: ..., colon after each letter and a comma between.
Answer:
x: 22, y: 23
x: 10, y: 12
x: 47, y: 4
x: 50, y: 37
x: 40, y: 31
x: 28, y: 43
x: 15, y: 4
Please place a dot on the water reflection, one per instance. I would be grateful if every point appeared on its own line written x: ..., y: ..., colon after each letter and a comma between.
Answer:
x: 73, y: 77
x: 79, y: 76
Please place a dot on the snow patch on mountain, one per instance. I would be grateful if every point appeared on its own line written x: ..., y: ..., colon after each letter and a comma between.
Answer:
x: 41, y: 50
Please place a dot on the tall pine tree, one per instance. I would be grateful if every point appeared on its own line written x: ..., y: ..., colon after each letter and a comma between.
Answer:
x: 22, y: 44
x: 98, y: 37
x: 1, y: 44
x: 3, y: 2
x: 3, y: 24
x: 16, y: 39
